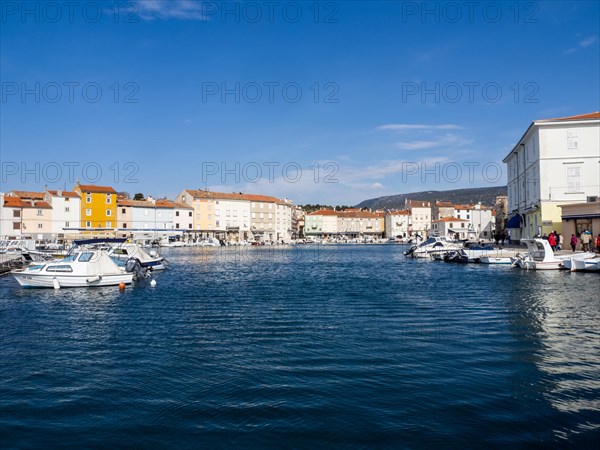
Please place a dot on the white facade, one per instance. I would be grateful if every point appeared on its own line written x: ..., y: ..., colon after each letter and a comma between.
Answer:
x: 10, y: 217
x: 321, y: 223
x: 284, y: 218
x: 480, y: 219
x: 555, y: 162
x: 420, y: 217
x: 66, y: 211
x: 397, y: 224
x: 232, y: 216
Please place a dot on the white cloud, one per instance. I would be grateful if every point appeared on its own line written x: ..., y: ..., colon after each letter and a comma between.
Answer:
x: 582, y: 44
x: 171, y: 9
x: 419, y: 127
x: 447, y: 140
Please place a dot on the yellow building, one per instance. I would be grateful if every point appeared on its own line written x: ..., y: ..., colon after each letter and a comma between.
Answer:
x: 98, y: 208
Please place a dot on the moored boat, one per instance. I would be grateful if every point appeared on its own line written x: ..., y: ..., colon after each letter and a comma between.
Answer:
x: 83, y: 268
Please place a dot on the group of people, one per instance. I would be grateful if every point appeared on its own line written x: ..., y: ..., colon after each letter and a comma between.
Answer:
x: 586, y: 240
x: 555, y: 240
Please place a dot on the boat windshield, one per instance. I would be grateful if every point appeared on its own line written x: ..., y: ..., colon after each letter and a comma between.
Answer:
x: 86, y: 256
x: 427, y: 242
x: 71, y: 258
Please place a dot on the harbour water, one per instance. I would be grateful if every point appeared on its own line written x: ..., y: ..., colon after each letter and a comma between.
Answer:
x: 306, y: 346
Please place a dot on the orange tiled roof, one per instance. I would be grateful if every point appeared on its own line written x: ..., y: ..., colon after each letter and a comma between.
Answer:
x: 444, y: 204
x: 96, y: 189
x: 418, y: 203
x: 196, y: 193
x: 29, y: 195
x: 401, y: 212
x: 588, y: 116
x: 324, y: 212
x: 64, y: 194
x: 165, y: 203
x: 41, y: 205
x: 357, y: 214
x: 451, y: 219
x: 14, y: 202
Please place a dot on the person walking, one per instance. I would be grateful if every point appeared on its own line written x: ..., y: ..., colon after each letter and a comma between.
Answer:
x: 552, y: 241
x: 573, y: 242
x: 561, y: 241
x: 585, y: 241
x: 598, y: 243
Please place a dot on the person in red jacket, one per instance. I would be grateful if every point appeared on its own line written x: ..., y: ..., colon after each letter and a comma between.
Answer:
x: 598, y: 243
x: 552, y: 241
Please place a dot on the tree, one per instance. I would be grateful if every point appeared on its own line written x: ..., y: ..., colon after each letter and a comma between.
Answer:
x: 138, y: 196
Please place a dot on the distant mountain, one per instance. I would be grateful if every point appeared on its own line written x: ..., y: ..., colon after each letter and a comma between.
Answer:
x: 486, y: 196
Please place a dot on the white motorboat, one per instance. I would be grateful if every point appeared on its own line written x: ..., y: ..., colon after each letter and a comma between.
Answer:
x: 80, y: 269
x: 540, y: 256
x: 123, y: 252
x: 583, y: 264
x: 487, y: 259
x: 437, y: 244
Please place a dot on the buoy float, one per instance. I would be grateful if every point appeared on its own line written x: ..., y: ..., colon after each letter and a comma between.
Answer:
x: 55, y: 283
x: 121, y: 286
x: 153, y: 283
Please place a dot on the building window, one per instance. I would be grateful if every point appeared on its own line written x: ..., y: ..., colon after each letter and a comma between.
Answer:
x: 176, y: 225
x: 108, y: 199
x: 190, y: 214
x: 124, y: 225
x: 88, y: 212
x: 88, y: 199
x: 573, y: 179
x: 39, y: 212
x: 16, y: 213
x: 108, y: 224
x: 67, y: 209
x: 572, y: 139
x: 88, y: 224
x: 122, y: 210
x: 190, y: 226
x: 176, y: 213
x: 16, y: 226
x: 108, y: 213
x: 39, y: 225
x: 67, y: 225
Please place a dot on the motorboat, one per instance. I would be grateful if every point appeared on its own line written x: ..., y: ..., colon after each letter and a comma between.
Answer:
x: 540, y: 256
x: 488, y: 259
x: 591, y: 264
x: 85, y: 268
x: 436, y: 244
x: 123, y: 252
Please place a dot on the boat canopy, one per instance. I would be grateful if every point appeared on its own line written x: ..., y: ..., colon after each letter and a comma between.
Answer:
x: 99, y: 241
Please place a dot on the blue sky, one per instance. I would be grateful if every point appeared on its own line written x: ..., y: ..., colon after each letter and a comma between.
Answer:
x: 334, y: 102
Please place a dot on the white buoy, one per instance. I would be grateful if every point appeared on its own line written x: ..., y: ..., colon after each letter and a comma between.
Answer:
x: 153, y: 283
x: 55, y: 283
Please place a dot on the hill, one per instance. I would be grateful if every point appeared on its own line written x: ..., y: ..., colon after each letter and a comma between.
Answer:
x: 486, y: 196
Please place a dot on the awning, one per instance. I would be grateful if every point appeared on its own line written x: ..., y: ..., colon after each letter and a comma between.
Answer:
x: 514, y: 222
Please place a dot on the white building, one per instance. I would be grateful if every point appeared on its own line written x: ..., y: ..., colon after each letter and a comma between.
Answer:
x: 397, y: 224
x: 11, y: 216
x: 232, y: 217
x: 420, y: 213
x: 555, y: 162
x: 481, y: 219
x: 66, y: 212
x: 452, y: 228
x: 321, y: 223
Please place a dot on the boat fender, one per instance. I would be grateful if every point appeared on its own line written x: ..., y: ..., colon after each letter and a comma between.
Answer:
x: 93, y: 279
x: 55, y: 283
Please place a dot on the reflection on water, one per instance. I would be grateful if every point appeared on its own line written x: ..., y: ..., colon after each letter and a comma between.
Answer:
x: 308, y: 345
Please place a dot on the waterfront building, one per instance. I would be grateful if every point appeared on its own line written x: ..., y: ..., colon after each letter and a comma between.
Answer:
x: 442, y: 209
x: 354, y: 223
x: 239, y: 216
x: 580, y: 217
x: 66, y: 213
x: 480, y: 219
x: 152, y: 218
x: 322, y: 223
x: 298, y: 215
x: 11, y: 216
x: 397, y: 224
x: 452, y: 228
x: 501, y: 214
x: 555, y: 162
x: 35, y: 214
x: 98, y: 208
x: 420, y: 213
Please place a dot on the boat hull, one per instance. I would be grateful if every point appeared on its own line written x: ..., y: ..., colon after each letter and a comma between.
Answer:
x: 65, y: 281
x: 493, y: 260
